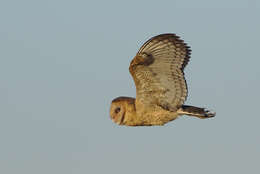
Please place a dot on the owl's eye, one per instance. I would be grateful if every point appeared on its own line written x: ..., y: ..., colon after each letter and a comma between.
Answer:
x: 117, y: 110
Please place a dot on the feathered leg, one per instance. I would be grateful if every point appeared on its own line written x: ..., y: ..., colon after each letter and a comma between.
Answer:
x: 195, y: 111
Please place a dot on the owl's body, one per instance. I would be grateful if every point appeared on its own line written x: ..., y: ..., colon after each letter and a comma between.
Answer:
x: 144, y: 116
x: 161, y: 89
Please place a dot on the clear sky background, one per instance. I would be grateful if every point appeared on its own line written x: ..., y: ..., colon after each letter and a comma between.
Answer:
x: 62, y: 62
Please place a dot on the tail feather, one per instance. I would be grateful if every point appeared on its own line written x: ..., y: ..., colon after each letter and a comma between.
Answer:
x: 196, y: 111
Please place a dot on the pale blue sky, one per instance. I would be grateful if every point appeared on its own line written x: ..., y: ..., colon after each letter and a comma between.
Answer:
x: 62, y: 62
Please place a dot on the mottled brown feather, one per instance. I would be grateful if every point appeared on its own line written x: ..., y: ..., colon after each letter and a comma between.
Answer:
x: 157, y: 70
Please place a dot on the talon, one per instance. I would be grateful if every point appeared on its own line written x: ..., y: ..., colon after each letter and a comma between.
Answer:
x: 208, y: 113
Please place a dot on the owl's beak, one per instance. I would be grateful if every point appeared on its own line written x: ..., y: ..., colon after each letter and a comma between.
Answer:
x: 118, y: 121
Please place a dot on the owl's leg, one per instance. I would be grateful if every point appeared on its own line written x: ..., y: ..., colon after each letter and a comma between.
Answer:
x: 195, y: 112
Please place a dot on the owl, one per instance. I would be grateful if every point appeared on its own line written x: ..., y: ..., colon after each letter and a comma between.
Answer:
x: 161, y: 89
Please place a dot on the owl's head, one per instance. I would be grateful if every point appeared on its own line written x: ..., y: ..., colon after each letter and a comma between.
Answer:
x: 119, y: 108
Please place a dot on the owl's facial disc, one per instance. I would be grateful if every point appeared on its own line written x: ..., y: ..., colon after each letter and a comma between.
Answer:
x: 117, y: 113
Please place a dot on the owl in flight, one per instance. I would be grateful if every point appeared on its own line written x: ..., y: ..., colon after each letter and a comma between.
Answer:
x: 161, y: 89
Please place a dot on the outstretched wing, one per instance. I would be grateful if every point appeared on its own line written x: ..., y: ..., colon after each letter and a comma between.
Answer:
x: 157, y: 70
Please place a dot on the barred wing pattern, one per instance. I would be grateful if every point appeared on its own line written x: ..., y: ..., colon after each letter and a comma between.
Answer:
x: 157, y: 70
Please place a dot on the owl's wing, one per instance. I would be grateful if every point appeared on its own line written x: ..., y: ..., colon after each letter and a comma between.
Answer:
x: 157, y: 70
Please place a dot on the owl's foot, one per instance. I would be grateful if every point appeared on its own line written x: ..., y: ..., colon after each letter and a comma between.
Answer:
x: 206, y: 114
x: 196, y: 112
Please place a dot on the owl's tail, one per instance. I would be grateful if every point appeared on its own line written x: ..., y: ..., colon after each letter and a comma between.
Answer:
x: 196, y: 112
